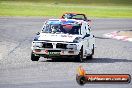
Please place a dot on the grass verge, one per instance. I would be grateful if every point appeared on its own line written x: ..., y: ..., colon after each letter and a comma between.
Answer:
x: 14, y: 8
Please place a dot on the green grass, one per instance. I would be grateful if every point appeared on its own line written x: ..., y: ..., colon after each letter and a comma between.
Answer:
x: 95, y: 2
x: 15, y: 8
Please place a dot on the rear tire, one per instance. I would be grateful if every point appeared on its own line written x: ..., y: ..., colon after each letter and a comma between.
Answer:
x: 34, y: 58
x: 93, y: 50
x: 91, y: 56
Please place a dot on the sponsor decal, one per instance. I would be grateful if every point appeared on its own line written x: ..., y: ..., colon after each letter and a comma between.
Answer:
x: 70, y: 36
x: 54, y: 35
x: 66, y: 36
x: 63, y: 35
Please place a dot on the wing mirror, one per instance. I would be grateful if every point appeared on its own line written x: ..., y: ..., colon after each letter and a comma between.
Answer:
x: 87, y: 35
x: 37, y: 33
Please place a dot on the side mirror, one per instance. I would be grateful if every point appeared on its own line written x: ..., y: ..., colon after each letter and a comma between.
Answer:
x: 37, y: 33
x: 87, y: 35
x: 89, y: 20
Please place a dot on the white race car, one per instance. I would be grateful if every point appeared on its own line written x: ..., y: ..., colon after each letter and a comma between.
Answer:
x: 64, y: 38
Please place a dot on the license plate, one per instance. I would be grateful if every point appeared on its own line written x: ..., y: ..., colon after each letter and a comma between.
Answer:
x: 54, y: 53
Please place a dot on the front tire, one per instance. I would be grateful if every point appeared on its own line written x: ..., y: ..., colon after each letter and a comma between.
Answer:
x: 79, y: 57
x: 34, y: 58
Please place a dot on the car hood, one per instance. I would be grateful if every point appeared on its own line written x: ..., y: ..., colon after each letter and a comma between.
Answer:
x: 57, y: 37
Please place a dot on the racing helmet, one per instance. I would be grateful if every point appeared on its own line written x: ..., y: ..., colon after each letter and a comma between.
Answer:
x: 55, y: 28
x: 68, y: 16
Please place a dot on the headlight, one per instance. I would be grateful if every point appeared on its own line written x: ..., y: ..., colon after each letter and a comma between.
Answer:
x: 37, y: 44
x: 77, y: 40
x: 71, y: 46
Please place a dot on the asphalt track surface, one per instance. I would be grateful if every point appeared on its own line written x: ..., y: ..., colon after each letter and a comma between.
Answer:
x: 18, y: 71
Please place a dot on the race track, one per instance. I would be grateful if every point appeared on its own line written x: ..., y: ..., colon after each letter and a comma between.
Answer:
x: 18, y: 71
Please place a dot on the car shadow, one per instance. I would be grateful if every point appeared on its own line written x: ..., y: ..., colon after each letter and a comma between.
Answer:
x: 58, y: 60
x: 101, y: 38
x: 94, y: 60
x: 106, y: 60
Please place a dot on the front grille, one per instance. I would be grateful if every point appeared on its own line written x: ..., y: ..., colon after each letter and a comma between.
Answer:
x: 61, y: 45
x: 47, y: 45
x: 54, y: 50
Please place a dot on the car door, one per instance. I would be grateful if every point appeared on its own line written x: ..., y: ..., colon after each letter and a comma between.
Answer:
x: 85, y: 34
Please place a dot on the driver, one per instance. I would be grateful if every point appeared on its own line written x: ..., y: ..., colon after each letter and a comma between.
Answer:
x: 68, y: 16
x: 55, y: 28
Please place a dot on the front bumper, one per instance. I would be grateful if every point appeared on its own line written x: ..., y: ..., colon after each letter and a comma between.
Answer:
x: 55, y: 53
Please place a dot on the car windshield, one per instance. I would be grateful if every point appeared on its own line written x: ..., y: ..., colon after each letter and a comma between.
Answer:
x: 75, y: 16
x: 58, y: 28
